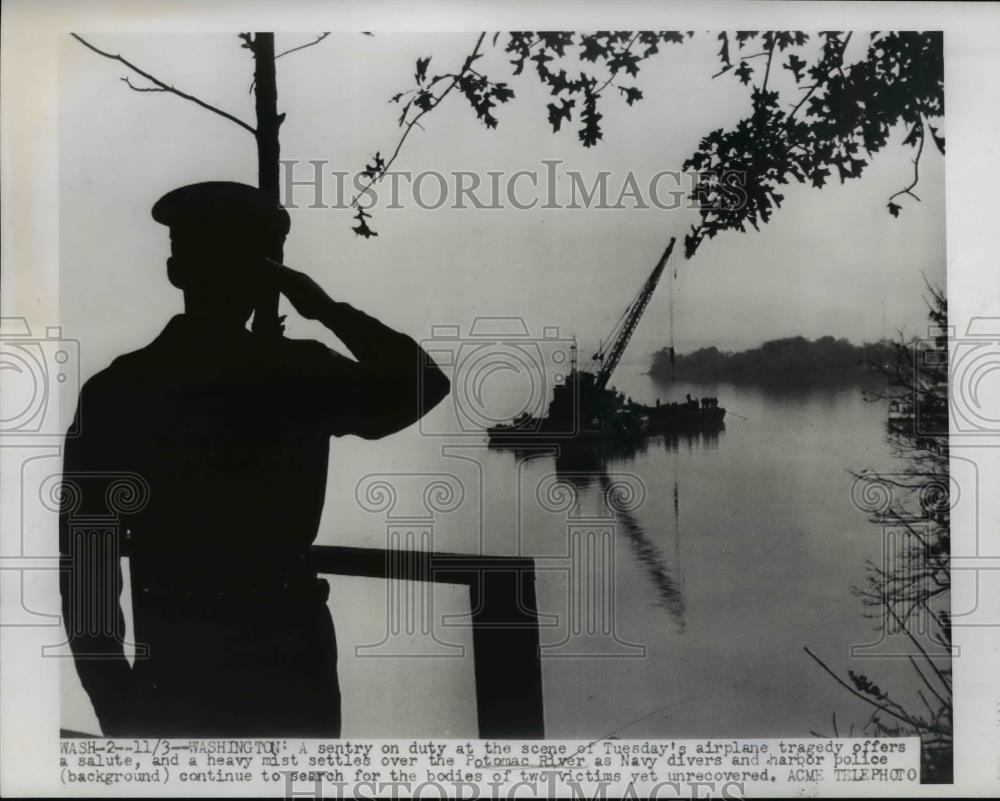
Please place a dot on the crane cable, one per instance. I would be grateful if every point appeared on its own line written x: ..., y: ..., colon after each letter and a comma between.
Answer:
x: 671, y: 294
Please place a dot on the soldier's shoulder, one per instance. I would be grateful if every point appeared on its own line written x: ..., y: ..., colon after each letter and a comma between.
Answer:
x: 121, y: 371
x: 141, y: 360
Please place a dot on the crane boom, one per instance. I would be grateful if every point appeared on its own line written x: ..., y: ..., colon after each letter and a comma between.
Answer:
x: 621, y: 334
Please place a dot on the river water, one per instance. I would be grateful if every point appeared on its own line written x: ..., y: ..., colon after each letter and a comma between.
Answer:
x: 716, y: 561
x: 679, y: 608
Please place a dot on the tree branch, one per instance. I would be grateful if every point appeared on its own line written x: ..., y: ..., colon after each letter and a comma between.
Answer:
x: 163, y: 86
x: 815, y: 86
x: 135, y: 88
x: 316, y: 41
x: 916, y: 167
x: 923, y: 653
x: 742, y: 58
x: 770, y: 57
x: 907, y: 720
x: 928, y: 685
x: 415, y: 122
x: 628, y: 49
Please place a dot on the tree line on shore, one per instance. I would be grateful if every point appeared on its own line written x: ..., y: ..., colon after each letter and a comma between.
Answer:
x: 788, y: 360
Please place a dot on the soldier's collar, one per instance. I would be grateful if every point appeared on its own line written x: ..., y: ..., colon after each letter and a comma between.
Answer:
x: 197, y: 326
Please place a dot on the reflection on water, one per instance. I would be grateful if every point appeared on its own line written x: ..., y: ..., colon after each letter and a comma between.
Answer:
x: 651, y: 557
x: 601, y: 455
x: 584, y: 464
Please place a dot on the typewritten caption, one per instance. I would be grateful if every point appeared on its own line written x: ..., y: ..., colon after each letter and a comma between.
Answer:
x: 489, y: 768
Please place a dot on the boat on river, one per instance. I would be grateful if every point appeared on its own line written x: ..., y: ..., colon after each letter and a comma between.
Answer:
x: 585, y: 408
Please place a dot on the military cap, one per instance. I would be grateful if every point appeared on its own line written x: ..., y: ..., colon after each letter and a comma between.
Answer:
x: 222, y: 204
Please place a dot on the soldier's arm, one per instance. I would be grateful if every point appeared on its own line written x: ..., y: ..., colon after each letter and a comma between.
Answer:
x: 393, y: 383
x: 90, y: 579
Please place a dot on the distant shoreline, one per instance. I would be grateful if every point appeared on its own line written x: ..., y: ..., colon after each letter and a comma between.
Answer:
x: 792, y: 361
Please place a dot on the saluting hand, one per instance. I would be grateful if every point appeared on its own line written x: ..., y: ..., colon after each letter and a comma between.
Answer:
x: 303, y: 293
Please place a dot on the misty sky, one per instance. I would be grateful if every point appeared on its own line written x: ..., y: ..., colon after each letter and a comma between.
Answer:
x: 832, y: 261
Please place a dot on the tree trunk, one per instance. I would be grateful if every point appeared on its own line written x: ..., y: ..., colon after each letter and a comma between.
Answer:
x: 265, y: 319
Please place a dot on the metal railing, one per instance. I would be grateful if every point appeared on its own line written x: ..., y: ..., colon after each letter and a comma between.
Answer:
x: 503, y: 617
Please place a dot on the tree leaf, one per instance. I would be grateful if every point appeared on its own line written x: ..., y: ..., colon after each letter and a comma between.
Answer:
x: 938, y: 140
x: 559, y: 113
x: 362, y: 228
x: 724, y: 50
x: 631, y: 94
x: 421, y: 72
x: 796, y: 65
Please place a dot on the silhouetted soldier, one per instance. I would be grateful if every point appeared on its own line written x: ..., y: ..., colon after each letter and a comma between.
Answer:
x: 231, y: 431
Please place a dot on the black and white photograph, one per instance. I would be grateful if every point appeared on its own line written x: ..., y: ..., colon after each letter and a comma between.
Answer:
x: 575, y: 407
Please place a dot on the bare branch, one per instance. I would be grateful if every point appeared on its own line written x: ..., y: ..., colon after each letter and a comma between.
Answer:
x: 742, y: 58
x: 928, y: 685
x: 135, y: 88
x: 316, y: 41
x: 946, y: 682
x: 908, y: 190
x: 163, y: 86
x: 770, y: 58
x: 907, y: 720
x: 246, y: 37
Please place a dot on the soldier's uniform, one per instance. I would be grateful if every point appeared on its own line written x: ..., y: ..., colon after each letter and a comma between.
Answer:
x: 231, y: 433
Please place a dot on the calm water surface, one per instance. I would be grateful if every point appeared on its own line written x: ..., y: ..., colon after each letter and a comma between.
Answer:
x: 728, y: 554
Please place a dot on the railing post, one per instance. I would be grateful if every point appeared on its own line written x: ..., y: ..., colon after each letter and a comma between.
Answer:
x: 504, y: 620
x: 506, y: 651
